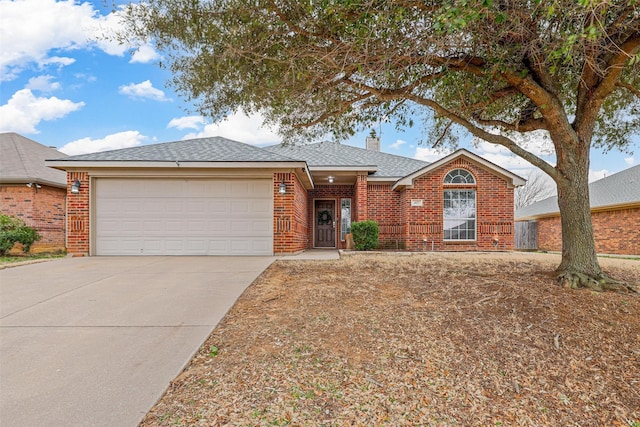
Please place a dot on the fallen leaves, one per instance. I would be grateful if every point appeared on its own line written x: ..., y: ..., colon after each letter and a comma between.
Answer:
x: 435, y: 339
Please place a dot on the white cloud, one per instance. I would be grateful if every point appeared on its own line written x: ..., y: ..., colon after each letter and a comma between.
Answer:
x: 144, y: 54
x: 24, y: 111
x: 187, y: 122
x: 240, y: 127
x: 43, y: 84
x: 431, y: 154
x: 110, y: 142
x: 630, y: 161
x: 396, y: 145
x: 31, y: 29
x: 144, y: 90
x: 596, y: 175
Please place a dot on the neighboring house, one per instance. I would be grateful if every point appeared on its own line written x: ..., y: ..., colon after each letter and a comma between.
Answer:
x: 615, y: 215
x: 214, y: 196
x: 31, y: 191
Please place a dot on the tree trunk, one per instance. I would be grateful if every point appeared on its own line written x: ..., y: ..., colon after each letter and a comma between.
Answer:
x: 579, y: 267
x: 578, y: 244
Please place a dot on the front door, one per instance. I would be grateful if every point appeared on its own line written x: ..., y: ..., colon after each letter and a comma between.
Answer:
x: 325, y: 224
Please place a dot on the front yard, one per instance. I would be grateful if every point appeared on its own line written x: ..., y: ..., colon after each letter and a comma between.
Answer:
x: 432, y: 340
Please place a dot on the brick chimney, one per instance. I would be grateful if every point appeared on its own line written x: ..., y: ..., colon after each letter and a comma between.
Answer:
x: 373, y: 143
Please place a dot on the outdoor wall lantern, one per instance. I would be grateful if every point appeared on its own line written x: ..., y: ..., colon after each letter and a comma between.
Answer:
x: 282, y: 189
x: 75, y: 187
x: 330, y: 180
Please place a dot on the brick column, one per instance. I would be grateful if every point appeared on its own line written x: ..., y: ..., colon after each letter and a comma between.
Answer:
x: 283, y: 214
x: 361, y: 196
x: 78, y: 214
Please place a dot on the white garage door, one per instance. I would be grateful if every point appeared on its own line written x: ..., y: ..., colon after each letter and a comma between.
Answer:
x: 183, y: 217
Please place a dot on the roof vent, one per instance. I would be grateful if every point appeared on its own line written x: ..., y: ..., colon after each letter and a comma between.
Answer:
x: 373, y: 143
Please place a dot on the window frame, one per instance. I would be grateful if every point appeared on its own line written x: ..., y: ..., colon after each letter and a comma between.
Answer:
x: 452, y: 192
x: 344, y: 230
x: 458, y: 170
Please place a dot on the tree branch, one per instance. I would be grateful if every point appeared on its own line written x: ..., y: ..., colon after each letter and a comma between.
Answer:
x: 585, y: 118
x: 632, y: 89
x: 520, y: 126
x: 479, y: 132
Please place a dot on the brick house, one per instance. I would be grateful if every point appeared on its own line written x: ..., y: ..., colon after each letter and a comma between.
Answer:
x: 615, y: 215
x: 213, y: 196
x: 31, y: 191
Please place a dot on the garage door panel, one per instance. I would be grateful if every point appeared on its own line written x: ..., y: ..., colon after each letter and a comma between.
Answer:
x: 261, y: 206
x: 190, y: 217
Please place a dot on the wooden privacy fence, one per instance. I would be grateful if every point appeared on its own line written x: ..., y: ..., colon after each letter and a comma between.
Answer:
x: 526, y: 236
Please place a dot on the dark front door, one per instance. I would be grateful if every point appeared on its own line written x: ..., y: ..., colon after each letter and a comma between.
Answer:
x: 325, y: 223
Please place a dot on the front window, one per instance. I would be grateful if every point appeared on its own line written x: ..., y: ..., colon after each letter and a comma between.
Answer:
x: 345, y: 218
x: 459, y: 214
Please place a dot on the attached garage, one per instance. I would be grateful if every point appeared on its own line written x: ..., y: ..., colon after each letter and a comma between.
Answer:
x: 177, y: 216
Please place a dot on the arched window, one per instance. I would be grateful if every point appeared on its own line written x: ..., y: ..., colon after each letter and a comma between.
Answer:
x: 459, y: 207
x: 459, y: 176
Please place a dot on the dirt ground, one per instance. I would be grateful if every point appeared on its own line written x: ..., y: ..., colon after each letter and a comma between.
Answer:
x: 423, y: 340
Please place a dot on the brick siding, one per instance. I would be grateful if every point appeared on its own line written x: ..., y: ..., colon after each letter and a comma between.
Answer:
x: 78, y: 214
x: 401, y: 225
x: 290, y: 215
x: 615, y: 231
x: 383, y: 207
x: 494, y: 211
x: 41, y: 208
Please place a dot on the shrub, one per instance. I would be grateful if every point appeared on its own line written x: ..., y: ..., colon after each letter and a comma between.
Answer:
x: 365, y: 235
x: 14, y: 230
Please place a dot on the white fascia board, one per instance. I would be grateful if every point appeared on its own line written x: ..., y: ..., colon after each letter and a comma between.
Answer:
x: 388, y: 179
x: 25, y: 180
x: 71, y: 165
x: 516, y: 180
x: 596, y: 209
x: 358, y: 168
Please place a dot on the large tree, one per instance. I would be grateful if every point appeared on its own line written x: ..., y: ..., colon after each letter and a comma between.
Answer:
x: 493, y: 68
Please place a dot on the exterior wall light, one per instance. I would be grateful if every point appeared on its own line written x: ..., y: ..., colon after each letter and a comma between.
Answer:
x: 282, y: 189
x: 75, y: 187
x: 330, y: 180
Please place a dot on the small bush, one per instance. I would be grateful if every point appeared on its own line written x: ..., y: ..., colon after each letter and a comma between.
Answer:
x: 365, y: 235
x: 14, y: 230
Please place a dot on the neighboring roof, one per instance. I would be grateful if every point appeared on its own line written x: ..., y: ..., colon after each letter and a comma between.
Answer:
x: 516, y: 180
x: 22, y: 160
x: 214, y: 149
x: 619, y: 189
x: 327, y: 153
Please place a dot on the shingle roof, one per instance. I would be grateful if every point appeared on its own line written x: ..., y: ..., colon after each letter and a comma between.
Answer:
x: 214, y: 149
x: 336, y: 154
x: 22, y: 161
x: 618, y: 189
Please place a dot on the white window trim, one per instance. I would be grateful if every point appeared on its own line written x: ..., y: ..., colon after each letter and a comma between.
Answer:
x: 343, y: 232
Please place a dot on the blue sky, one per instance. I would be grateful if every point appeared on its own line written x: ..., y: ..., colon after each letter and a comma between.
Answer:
x: 64, y: 86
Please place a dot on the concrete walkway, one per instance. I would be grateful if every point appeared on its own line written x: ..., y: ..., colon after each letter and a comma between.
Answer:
x: 96, y: 341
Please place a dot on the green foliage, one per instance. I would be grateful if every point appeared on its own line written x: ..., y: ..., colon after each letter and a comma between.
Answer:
x: 213, y: 351
x: 14, y: 230
x: 365, y: 235
x: 314, y: 68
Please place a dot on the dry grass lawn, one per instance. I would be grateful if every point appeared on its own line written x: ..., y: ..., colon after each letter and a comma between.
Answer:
x: 422, y: 340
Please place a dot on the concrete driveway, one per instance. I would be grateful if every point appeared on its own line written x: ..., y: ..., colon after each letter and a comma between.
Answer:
x: 96, y: 341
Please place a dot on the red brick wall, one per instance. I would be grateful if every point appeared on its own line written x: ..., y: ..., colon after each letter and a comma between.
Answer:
x: 494, y: 211
x: 383, y: 206
x: 360, y: 198
x: 616, y: 232
x: 330, y: 192
x: 290, y: 215
x: 78, y: 214
x: 41, y: 208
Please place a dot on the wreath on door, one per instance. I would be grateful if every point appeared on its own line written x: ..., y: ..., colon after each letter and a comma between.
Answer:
x: 324, y: 218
